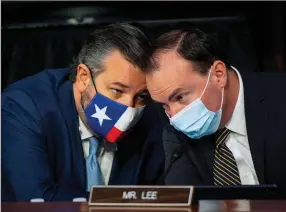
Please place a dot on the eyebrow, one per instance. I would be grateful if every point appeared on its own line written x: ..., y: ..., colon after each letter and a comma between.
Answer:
x: 120, y: 85
x: 174, y: 93
x: 143, y: 92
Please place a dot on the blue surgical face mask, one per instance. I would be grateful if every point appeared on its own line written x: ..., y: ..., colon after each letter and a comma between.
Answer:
x: 195, y: 120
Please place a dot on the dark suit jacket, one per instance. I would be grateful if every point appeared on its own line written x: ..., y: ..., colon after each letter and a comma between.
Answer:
x: 42, y: 153
x: 265, y: 111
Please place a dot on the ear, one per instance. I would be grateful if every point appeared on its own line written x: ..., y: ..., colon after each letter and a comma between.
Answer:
x: 83, y: 78
x: 220, y: 73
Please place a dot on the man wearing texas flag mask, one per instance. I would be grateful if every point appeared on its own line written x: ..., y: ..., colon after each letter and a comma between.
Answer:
x: 121, y: 117
x: 65, y: 130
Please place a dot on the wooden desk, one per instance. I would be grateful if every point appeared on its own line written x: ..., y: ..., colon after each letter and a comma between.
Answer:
x: 203, y: 206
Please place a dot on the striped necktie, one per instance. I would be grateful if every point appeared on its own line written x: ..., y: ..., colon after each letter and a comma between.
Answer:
x: 94, y: 176
x: 225, y: 170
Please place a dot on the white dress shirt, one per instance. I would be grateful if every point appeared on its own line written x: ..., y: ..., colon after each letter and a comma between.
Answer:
x: 237, y: 140
x: 105, y: 157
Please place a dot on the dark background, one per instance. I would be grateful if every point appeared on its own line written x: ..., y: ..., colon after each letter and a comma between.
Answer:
x: 44, y: 35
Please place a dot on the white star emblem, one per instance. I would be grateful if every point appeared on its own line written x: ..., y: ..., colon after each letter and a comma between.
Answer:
x: 100, y: 114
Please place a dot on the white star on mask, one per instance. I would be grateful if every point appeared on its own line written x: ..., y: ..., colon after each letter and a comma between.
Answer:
x: 100, y: 114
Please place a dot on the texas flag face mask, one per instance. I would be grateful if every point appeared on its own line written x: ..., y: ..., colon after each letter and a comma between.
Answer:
x: 110, y: 119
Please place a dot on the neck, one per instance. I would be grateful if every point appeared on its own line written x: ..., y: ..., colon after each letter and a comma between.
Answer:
x: 231, y: 96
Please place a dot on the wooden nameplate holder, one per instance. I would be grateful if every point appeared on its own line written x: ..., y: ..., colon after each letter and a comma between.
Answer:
x: 141, y: 196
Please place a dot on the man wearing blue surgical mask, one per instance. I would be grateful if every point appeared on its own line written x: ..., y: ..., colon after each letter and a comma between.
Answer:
x: 226, y: 126
x: 66, y: 130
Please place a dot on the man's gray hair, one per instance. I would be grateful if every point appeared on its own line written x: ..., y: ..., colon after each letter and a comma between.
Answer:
x: 129, y: 40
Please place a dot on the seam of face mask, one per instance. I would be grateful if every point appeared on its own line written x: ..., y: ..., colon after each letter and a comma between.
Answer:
x: 184, y: 109
x: 194, y: 122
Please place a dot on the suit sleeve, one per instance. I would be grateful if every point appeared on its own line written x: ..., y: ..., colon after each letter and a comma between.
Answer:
x: 25, y: 161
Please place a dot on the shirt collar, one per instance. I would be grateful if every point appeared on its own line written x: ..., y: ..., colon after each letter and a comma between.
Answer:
x: 85, y: 133
x: 237, y: 123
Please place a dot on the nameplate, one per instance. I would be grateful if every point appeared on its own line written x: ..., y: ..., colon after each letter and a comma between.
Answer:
x: 141, y: 196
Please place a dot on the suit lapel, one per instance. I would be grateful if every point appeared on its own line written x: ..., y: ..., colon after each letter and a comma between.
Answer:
x: 67, y: 104
x: 202, y: 152
x: 208, y: 149
x: 114, y: 170
x: 256, y: 119
x: 199, y: 152
x: 127, y: 160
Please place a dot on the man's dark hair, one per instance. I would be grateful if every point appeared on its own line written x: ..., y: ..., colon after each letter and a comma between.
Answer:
x: 190, y: 43
x: 129, y: 40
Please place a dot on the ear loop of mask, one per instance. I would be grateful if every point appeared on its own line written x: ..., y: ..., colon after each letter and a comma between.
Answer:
x: 92, y: 80
x: 93, y: 86
x: 207, y: 86
x: 222, y: 98
x: 206, y: 83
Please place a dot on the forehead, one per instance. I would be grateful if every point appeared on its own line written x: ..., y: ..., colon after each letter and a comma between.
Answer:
x: 172, y: 71
x: 117, y: 68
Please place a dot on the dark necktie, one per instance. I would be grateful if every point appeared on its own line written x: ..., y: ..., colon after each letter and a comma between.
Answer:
x: 225, y: 170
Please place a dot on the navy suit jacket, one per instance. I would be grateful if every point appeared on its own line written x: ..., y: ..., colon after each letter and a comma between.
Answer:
x: 42, y: 153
